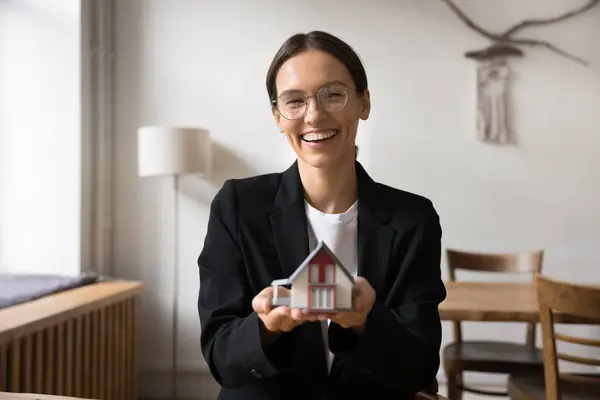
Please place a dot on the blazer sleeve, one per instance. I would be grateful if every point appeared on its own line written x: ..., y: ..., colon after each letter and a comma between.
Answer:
x: 230, y: 329
x: 400, y: 345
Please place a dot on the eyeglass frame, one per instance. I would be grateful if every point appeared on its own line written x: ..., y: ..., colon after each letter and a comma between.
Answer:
x: 307, y: 99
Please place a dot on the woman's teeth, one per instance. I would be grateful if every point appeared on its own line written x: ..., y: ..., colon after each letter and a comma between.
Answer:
x: 312, y: 137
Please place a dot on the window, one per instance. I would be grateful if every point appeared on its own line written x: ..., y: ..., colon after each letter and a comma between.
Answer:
x: 322, y: 274
x: 330, y: 274
x: 314, y: 273
x: 48, y: 168
x: 322, y: 298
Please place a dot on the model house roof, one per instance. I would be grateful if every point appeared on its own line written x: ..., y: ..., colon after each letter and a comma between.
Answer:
x: 320, y: 246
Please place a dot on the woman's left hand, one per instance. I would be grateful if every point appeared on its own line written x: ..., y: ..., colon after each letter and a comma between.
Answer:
x: 363, y: 298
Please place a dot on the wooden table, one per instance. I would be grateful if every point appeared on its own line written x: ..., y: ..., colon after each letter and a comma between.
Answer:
x: 489, y: 301
x: 497, y: 302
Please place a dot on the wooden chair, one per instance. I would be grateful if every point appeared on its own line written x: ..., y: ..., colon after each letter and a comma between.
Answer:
x: 490, y: 356
x: 572, y: 301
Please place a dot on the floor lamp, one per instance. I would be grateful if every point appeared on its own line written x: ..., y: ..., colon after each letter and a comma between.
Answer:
x: 165, y: 151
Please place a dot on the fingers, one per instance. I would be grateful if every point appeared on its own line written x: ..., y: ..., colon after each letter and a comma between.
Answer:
x: 362, y: 295
x: 274, y: 320
x: 286, y: 319
x: 360, y: 282
x: 297, y: 314
x: 304, y: 315
x: 262, y: 301
x: 281, y: 319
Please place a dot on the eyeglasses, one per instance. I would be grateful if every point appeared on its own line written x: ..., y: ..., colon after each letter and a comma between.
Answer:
x: 293, y: 105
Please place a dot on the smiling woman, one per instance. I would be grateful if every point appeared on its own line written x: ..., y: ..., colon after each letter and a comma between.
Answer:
x: 262, y: 228
x: 318, y: 66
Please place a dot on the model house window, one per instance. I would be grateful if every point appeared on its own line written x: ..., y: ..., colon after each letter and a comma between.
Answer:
x: 329, y: 274
x: 322, y: 298
x: 314, y: 273
x: 323, y: 274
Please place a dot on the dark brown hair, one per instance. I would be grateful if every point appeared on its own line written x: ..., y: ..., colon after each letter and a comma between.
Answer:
x: 317, y: 40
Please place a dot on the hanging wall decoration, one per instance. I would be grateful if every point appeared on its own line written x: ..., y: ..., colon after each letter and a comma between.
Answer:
x: 493, y: 69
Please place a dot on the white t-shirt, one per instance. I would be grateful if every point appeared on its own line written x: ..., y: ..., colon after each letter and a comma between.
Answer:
x: 339, y: 232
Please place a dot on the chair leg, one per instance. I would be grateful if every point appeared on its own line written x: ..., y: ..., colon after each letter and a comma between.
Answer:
x: 454, y: 385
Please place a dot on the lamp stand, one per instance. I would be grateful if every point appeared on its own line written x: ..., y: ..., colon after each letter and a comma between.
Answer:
x: 175, y: 288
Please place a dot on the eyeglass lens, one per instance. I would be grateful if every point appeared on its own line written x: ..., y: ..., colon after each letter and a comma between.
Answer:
x: 292, y: 105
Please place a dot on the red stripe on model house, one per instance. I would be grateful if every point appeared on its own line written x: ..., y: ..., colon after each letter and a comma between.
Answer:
x: 322, y: 268
x: 323, y: 259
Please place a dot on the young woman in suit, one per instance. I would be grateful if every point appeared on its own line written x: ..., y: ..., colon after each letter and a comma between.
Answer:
x: 262, y: 228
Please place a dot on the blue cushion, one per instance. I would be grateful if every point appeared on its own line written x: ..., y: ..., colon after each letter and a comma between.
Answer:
x: 20, y: 288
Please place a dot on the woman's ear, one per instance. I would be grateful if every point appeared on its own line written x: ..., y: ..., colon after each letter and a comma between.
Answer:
x: 277, y: 118
x: 365, y: 105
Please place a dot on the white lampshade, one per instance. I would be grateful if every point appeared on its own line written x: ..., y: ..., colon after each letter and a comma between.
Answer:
x: 164, y: 150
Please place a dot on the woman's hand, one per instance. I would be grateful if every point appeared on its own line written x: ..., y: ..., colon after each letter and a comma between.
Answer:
x: 363, y: 299
x: 284, y: 319
x: 278, y: 319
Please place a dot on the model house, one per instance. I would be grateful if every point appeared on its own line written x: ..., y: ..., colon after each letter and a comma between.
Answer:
x: 321, y: 283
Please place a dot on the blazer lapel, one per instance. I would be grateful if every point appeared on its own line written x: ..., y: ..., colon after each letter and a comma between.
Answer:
x: 375, y: 237
x: 289, y: 222
x: 291, y: 239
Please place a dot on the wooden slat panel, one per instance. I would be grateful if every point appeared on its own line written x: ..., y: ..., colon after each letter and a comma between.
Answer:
x: 3, y: 367
x: 39, y: 362
x: 88, y: 355
x: 116, y: 367
x: 69, y: 357
x: 77, y: 375
x: 134, y: 325
x: 130, y: 349
x: 15, y: 367
x: 38, y: 315
x: 28, y: 361
x: 109, y: 353
x: 87, y: 351
x: 60, y: 359
x: 123, y: 345
x: 95, y: 343
x: 50, y: 359
x: 102, y: 360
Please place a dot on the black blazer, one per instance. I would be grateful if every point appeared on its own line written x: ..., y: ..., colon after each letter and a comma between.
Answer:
x: 257, y: 232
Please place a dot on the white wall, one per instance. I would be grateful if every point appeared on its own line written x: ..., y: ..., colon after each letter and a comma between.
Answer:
x: 185, y: 62
x: 40, y: 136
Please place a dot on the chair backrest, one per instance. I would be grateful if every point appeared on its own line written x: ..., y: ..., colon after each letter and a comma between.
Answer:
x: 561, y: 299
x: 527, y: 262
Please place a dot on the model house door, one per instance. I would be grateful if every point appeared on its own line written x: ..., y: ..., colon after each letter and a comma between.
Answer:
x: 322, y: 298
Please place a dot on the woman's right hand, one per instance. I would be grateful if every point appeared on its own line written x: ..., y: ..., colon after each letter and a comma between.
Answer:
x: 278, y: 319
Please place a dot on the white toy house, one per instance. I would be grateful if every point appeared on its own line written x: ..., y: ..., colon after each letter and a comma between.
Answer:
x: 320, y: 283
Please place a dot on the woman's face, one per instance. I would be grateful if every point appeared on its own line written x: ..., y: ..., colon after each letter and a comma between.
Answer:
x: 324, y: 135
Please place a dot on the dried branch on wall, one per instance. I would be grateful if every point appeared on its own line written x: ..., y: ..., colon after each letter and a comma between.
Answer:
x: 493, y: 70
x: 507, y: 37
